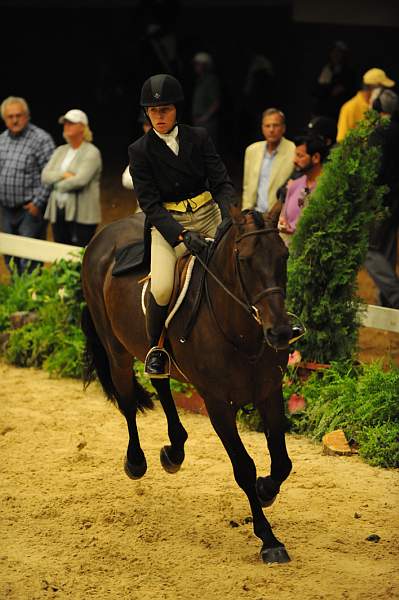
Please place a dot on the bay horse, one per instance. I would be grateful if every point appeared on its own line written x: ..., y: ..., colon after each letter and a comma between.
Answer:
x: 236, y: 353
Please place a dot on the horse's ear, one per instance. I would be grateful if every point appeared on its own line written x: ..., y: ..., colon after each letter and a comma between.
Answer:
x: 235, y: 212
x: 274, y: 213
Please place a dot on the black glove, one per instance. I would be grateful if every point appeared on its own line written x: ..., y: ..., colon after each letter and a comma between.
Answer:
x: 194, y: 242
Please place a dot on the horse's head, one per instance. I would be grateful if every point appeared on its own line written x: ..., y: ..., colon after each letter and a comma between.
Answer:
x: 261, y: 258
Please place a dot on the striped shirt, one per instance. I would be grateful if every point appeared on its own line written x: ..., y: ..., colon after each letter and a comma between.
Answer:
x: 22, y: 159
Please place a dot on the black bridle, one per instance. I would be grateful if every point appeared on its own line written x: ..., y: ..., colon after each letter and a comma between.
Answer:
x: 248, y: 305
x: 251, y: 304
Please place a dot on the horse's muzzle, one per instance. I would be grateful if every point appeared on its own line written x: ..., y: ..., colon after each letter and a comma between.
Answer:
x: 279, y: 337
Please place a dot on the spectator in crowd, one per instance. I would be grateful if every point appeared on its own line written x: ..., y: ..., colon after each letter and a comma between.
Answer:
x: 206, y: 98
x: 310, y: 153
x: 354, y: 109
x: 335, y: 82
x: 324, y: 127
x: 73, y: 173
x: 184, y: 190
x: 381, y: 258
x: 267, y: 164
x: 24, y: 151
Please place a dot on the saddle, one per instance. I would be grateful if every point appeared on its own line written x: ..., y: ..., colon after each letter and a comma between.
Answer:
x: 136, y: 255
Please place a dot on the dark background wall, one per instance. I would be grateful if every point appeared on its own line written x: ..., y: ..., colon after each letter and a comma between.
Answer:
x: 95, y: 56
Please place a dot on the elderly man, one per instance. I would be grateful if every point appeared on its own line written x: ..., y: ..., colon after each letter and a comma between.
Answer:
x: 24, y: 151
x: 267, y: 164
x: 354, y: 109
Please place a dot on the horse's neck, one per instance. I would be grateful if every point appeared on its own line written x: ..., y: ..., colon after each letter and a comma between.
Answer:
x: 226, y: 310
x: 222, y: 263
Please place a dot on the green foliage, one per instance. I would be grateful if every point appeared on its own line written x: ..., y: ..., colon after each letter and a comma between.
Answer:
x: 379, y: 445
x: 54, y: 340
x: 330, y: 245
x: 361, y: 400
x: 249, y: 417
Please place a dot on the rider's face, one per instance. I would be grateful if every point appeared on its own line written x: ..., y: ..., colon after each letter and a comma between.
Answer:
x: 163, y: 118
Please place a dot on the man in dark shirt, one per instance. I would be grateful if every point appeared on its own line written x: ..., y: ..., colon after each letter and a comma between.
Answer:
x: 24, y: 151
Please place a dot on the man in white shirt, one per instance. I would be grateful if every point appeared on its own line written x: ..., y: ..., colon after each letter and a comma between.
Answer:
x: 267, y: 164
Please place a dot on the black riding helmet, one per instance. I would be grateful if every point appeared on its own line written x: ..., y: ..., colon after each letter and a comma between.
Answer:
x: 161, y: 89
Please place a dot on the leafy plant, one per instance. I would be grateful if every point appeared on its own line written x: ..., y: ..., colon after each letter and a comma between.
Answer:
x: 330, y: 245
x: 54, y: 340
x: 360, y: 399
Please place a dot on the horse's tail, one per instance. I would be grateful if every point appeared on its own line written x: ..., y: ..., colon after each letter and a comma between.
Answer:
x: 96, y: 364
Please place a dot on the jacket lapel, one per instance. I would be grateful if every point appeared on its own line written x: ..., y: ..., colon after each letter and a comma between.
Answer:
x: 167, y: 156
x: 278, y: 159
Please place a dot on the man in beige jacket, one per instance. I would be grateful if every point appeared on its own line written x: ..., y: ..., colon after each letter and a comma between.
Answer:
x: 267, y: 164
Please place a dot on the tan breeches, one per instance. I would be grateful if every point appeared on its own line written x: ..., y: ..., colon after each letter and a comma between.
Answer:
x: 164, y: 256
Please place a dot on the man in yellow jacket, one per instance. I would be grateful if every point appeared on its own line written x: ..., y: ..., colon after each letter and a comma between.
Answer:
x: 267, y: 164
x: 354, y: 109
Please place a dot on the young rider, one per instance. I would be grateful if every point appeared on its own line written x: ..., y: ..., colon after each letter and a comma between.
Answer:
x: 183, y: 188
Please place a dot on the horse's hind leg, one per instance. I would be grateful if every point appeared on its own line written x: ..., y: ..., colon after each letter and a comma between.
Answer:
x: 274, y: 422
x: 171, y: 456
x: 128, y: 400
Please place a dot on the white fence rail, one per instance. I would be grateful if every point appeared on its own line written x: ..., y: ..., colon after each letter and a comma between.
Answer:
x: 376, y: 317
x: 25, y: 247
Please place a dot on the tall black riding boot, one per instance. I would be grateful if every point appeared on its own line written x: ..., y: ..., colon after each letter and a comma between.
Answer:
x: 157, y: 362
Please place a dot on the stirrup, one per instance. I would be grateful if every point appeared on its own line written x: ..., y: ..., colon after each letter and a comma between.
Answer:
x: 166, y: 358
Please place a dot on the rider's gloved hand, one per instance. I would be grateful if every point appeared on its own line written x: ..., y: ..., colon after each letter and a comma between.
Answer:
x: 194, y: 242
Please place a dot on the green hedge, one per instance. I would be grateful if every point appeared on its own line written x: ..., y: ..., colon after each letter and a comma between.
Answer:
x: 329, y: 248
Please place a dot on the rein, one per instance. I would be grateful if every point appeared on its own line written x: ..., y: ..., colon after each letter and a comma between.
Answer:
x: 248, y: 306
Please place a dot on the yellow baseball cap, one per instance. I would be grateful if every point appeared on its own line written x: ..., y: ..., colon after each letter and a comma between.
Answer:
x: 377, y: 77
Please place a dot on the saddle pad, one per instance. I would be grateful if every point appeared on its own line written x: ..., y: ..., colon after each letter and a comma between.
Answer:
x: 135, y: 251
x: 128, y: 258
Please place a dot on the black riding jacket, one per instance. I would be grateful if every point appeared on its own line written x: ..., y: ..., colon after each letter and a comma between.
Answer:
x: 160, y: 176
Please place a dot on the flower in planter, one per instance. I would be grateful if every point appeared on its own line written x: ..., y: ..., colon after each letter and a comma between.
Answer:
x: 294, y: 358
x: 296, y: 403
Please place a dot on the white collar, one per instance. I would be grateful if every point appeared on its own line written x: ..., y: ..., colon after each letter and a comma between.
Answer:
x: 166, y: 137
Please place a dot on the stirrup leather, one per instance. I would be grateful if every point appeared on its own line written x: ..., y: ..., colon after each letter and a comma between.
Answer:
x: 166, y: 373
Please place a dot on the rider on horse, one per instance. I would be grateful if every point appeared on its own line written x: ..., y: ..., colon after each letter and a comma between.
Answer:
x: 183, y: 188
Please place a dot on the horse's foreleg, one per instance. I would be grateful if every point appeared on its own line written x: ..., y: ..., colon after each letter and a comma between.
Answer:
x: 274, y: 421
x: 244, y: 469
x: 124, y: 380
x: 171, y: 456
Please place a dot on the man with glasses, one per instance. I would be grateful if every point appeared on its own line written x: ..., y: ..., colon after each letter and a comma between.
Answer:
x: 24, y: 151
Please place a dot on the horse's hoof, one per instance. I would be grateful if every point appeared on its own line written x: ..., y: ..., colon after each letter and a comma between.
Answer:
x: 266, y: 491
x: 168, y: 465
x: 274, y: 555
x: 135, y: 471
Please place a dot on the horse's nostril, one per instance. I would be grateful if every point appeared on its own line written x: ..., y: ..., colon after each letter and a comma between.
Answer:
x: 279, y: 337
x: 281, y: 332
